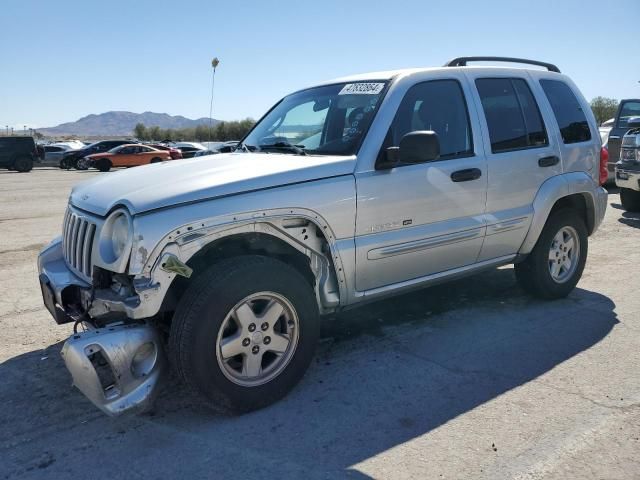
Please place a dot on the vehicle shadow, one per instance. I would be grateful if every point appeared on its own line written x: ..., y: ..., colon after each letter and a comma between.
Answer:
x: 384, y: 374
x: 630, y: 219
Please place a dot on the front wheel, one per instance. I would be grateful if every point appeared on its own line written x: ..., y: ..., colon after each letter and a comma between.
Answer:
x: 630, y: 200
x: 245, y: 332
x: 555, y: 264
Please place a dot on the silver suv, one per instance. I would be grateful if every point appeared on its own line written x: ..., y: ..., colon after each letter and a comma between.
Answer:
x: 350, y: 191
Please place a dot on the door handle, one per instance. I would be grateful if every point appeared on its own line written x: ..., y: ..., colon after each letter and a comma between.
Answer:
x: 466, y: 175
x: 549, y: 161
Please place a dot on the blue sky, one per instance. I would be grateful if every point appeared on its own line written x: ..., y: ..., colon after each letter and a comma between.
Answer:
x: 60, y: 60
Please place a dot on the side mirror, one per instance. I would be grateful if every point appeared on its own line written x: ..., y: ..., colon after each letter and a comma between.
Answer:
x: 415, y: 147
x: 633, y: 122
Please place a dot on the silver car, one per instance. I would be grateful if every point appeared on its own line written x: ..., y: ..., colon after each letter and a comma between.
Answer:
x: 347, y: 192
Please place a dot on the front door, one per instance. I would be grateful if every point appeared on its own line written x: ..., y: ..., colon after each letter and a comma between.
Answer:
x: 417, y: 220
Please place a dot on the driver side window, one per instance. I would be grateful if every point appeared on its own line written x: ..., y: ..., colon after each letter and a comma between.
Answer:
x: 440, y: 106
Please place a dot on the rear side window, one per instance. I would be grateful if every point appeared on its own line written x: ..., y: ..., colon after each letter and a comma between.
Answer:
x: 572, y: 121
x: 512, y: 114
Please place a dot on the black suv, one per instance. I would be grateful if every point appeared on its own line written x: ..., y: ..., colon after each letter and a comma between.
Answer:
x: 71, y: 158
x: 17, y: 153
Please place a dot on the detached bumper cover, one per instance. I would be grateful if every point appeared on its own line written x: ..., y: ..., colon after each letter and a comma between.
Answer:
x: 118, y: 368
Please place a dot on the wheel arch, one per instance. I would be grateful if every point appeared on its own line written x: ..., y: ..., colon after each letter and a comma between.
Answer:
x: 299, y: 242
x: 574, y: 190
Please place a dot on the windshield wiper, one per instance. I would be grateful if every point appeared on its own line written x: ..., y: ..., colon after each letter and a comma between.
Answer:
x: 297, y: 149
x: 245, y: 148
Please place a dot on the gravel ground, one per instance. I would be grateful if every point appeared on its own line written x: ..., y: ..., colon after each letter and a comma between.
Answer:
x: 472, y: 379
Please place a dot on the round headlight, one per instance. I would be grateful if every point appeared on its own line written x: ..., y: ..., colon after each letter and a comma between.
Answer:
x: 115, y: 238
x: 119, y: 235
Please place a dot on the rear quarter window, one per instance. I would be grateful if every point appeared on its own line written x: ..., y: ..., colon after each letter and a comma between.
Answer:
x: 572, y: 121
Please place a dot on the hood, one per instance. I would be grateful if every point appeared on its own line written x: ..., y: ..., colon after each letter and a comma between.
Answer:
x: 166, y: 184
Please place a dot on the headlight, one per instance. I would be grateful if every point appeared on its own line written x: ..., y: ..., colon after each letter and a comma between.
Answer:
x: 116, y: 237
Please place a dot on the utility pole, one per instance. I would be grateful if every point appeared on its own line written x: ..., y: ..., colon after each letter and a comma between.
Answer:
x: 25, y: 130
x: 214, y: 63
x: 7, y: 127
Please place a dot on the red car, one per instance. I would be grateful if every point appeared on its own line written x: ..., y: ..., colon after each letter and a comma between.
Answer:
x: 174, y: 152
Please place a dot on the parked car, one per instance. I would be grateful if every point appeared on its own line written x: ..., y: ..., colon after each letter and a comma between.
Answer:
x: 53, y: 153
x: 188, y: 149
x: 128, y: 155
x: 72, y: 157
x: 628, y: 167
x: 174, y: 152
x: 626, y: 109
x: 18, y: 153
x: 420, y: 176
x: 202, y: 153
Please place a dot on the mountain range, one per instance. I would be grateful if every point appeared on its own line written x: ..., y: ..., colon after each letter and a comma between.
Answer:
x: 118, y: 123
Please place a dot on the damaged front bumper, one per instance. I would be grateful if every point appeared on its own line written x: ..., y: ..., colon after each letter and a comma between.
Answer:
x: 119, y: 366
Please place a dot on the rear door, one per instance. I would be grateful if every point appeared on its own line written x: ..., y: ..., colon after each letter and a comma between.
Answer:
x: 417, y: 220
x: 626, y: 110
x: 521, y: 156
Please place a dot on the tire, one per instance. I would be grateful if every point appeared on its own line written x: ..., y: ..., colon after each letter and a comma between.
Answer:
x: 630, y: 200
x: 103, y: 165
x: 535, y: 273
x: 155, y: 160
x: 82, y: 164
x: 23, y: 164
x: 204, y: 315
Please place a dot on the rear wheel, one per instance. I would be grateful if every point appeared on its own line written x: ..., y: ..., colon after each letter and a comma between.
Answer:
x: 630, y: 200
x: 555, y: 264
x: 103, y: 165
x: 82, y: 164
x: 244, y: 332
x: 23, y: 164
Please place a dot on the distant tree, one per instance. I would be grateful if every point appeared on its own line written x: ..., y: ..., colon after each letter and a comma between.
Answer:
x: 140, y: 131
x: 221, y: 132
x: 154, y: 133
x: 604, y: 108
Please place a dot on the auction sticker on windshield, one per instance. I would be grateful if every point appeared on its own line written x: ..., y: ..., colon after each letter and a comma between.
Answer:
x: 361, y: 89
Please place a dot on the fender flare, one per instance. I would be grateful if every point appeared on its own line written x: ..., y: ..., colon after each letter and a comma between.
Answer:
x: 554, y: 189
x: 186, y: 241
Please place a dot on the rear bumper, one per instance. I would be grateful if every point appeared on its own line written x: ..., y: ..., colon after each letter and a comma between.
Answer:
x: 601, y: 201
x: 118, y: 367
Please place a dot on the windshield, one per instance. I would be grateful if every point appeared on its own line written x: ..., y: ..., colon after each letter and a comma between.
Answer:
x: 328, y: 120
x: 629, y: 110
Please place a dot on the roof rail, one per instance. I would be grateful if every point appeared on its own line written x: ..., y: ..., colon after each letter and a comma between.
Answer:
x: 462, y: 62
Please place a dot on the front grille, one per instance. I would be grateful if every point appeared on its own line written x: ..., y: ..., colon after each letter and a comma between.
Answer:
x: 78, y: 233
x: 629, y: 140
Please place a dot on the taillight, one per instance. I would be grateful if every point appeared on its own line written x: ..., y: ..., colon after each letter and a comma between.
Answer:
x: 604, y: 160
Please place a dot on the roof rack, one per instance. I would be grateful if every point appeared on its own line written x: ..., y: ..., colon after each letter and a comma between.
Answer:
x: 462, y: 62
